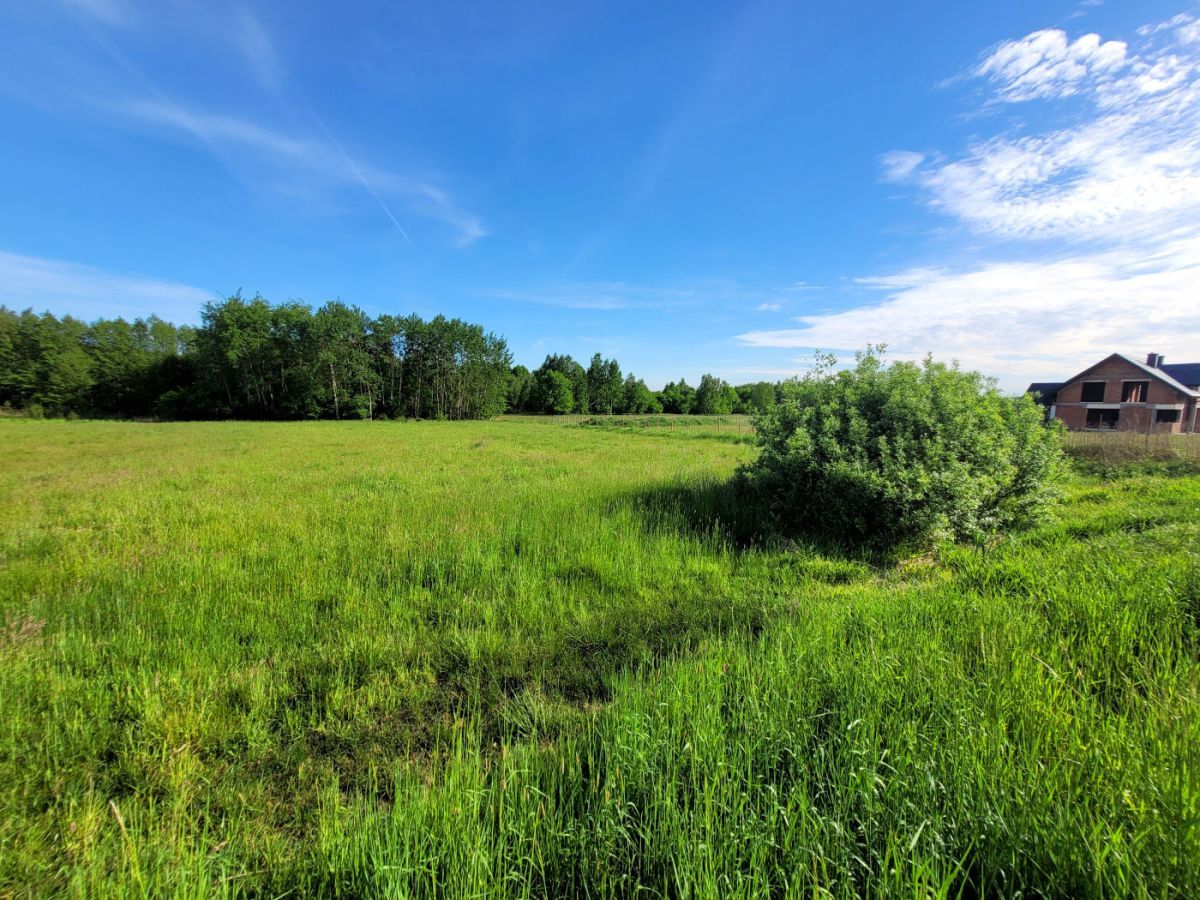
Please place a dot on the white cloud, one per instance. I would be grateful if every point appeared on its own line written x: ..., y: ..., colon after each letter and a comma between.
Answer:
x: 90, y: 293
x: 1044, y: 64
x: 1024, y: 321
x: 324, y: 158
x: 1126, y: 167
x: 898, y: 165
x: 769, y: 307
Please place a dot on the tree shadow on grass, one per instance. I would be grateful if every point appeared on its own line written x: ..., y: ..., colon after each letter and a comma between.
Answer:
x: 732, y: 512
x: 704, y: 508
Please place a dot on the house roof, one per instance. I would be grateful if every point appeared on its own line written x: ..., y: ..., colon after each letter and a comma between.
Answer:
x: 1161, y: 374
x: 1045, y: 388
x: 1184, y: 373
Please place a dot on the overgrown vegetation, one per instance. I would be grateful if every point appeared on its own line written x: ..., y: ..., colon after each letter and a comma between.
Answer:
x: 902, y: 454
x: 515, y: 659
x: 1126, y: 453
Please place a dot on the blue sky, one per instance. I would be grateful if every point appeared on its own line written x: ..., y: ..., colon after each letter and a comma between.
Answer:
x: 690, y: 187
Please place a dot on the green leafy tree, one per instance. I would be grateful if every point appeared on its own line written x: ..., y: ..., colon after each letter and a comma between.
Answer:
x: 575, y: 374
x: 342, y: 353
x: 553, y: 392
x: 520, y: 389
x: 677, y: 398
x: 639, y: 399
x: 253, y: 359
x: 713, y: 397
x: 902, y: 453
x: 755, y: 398
x: 43, y: 362
x: 605, y: 385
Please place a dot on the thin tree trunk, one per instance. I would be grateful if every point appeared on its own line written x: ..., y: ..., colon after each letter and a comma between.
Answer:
x: 337, y: 413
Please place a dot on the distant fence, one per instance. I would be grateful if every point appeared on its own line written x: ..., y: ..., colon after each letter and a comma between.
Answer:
x: 741, y: 424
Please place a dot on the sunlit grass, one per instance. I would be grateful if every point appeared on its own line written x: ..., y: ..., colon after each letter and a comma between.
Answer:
x: 520, y: 658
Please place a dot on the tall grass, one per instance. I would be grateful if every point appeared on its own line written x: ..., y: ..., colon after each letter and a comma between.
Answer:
x: 498, y: 659
x: 1118, y: 452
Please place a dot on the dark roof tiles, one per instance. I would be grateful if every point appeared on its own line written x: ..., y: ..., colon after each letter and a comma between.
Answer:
x: 1184, y: 373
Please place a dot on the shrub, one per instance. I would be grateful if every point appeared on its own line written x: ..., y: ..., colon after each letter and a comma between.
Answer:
x: 902, y: 454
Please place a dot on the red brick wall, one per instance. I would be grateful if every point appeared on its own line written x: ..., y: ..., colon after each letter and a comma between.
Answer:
x: 1114, y: 372
x: 1133, y: 418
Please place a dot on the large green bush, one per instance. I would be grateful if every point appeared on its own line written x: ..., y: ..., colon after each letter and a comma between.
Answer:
x: 885, y: 455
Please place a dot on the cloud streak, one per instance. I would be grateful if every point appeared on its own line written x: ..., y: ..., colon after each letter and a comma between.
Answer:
x: 728, y: 296
x: 254, y: 43
x: 89, y: 292
x: 326, y: 158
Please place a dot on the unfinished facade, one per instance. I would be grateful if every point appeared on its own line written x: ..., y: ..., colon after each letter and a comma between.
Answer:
x: 1121, y: 394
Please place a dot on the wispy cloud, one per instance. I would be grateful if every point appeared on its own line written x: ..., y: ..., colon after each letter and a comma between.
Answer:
x: 106, y: 12
x: 898, y: 165
x: 725, y: 297
x: 612, y: 295
x: 252, y: 40
x: 231, y: 26
x: 1127, y: 165
x: 89, y: 293
x: 325, y: 158
x: 236, y: 140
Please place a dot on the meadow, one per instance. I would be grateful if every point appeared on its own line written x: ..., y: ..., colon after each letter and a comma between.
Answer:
x: 539, y: 657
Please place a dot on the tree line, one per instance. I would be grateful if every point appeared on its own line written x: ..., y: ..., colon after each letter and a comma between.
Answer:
x: 253, y: 359
x: 561, y: 385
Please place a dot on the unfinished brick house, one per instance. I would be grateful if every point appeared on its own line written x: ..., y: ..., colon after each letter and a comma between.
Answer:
x: 1120, y: 394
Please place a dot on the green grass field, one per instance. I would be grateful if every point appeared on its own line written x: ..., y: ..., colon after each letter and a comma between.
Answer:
x: 529, y: 658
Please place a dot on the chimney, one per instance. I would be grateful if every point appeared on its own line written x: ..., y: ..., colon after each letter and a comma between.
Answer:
x: 1153, y: 360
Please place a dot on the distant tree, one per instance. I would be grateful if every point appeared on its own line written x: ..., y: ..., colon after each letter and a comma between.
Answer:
x: 575, y: 374
x: 349, y: 382
x: 755, y: 398
x: 520, y: 389
x: 553, y: 392
x: 677, y: 398
x: 134, y: 363
x: 605, y: 385
x: 245, y: 350
x: 253, y: 359
x: 713, y: 397
x: 43, y: 362
x: 637, y: 398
